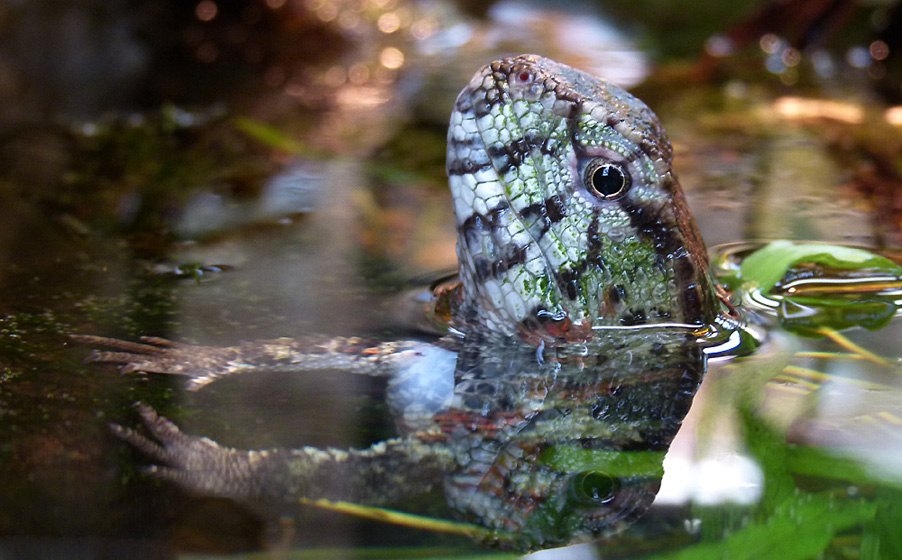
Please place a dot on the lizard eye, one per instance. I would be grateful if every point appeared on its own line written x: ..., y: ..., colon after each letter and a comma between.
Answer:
x: 592, y: 488
x: 606, y: 180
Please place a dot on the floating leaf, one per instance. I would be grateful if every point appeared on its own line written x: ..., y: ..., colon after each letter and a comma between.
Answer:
x: 812, y: 315
x: 767, y: 266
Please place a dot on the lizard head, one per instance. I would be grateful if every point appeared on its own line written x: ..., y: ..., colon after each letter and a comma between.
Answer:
x: 568, y: 213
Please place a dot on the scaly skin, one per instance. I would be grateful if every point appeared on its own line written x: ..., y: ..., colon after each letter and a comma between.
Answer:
x: 582, y: 283
x: 538, y: 245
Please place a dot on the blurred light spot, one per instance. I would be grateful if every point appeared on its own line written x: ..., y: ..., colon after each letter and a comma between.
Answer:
x: 585, y: 551
x: 275, y: 4
x: 719, y: 46
x: 726, y: 478
x: 206, y: 10
x: 736, y: 89
x: 823, y: 64
x: 294, y: 190
x: 893, y: 115
x: 88, y: 129
x: 791, y: 57
x: 879, y: 50
x: 360, y: 97
x: 335, y: 77
x: 799, y: 108
x: 391, y: 58
x: 207, y: 52
x: 327, y: 11
x: 858, y: 57
x: 774, y: 64
x: 385, y: 4
x: 770, y: 43
x: 424, y: 28
x: 348, y: 20
x: 594, y: 43
x: 358, y: 74
x: 388, y: 22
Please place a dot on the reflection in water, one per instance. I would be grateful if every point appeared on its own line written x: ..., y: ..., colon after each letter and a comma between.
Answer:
x: 571, y: 447
x: 530, y: 449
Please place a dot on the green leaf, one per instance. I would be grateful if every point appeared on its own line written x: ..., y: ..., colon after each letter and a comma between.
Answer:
x: 815, y: 462
x: 768, y: 448
x: 268, y: 135
x: 885, y: 527
x: 807, y: 315
x: 613, y: 463
x: 767, y: 266
x: 800, y: 528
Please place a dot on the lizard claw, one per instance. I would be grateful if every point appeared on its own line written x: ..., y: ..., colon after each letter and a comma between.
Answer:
x: 158, y: 355
x: 195, y: 463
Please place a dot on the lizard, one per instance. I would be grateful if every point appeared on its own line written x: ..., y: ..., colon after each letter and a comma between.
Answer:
x: 572, y: 332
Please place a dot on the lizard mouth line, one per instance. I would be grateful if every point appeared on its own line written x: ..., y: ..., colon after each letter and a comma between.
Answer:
x: 688, y: 326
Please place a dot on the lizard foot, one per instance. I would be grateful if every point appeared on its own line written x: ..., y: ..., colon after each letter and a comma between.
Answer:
x: 195, y: 463
x: 201, y: 364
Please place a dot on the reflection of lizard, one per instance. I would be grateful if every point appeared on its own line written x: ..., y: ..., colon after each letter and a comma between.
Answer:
x: 582, y: 280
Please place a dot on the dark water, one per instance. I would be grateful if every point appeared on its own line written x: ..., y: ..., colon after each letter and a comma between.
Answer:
x: 209, y: 226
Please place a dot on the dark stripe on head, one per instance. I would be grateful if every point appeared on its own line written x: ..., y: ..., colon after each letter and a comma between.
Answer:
x: 476, y: 230
x: 513, y: 256
x: 669, y: 247
x: 552, y: 208
x: 464, y: 102
x: 647, y: 222
x: 484, y: 269
x: 550, y: 211
x: 568, y: 280
x: 513, y: 154
x: 473, y: 229
x: 495, y: 214
x: 468, y: 141
x: 593, y: 241
x: 481, y: 107
x: 466, y: 167
x: 555, y: 209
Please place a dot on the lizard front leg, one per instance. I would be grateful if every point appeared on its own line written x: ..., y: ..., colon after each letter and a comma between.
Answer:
x: 204, y: 364
x: 387, y: 472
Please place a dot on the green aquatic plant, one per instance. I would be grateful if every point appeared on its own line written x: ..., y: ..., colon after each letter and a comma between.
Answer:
x: 816, y: 288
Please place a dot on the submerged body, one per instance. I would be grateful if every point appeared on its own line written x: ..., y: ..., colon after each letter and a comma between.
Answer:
x: 545, y: 412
